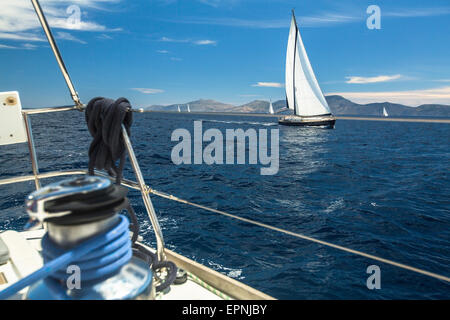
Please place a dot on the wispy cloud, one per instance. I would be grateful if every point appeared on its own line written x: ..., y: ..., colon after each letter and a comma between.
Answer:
x: 196, y: 42
x: 67, y: 36
x: 25, y: 46
x: 205, y: 42
x: 304, y: 21
x: 364, y: 80
x: 162, y: 51
x: 320, y: 19
x: 268, y: 85
x: 417, y: 12
x: 176, y: 59
x: 166, y: 39
x: 27, y: 27
x: 211, y: 3
x: 442, y: 80
x: 21, y: 36
x: 409, y: 97
x: 148, y: 90
x: 29, y: 46
x: 4, y: 46
x: 104, y: 36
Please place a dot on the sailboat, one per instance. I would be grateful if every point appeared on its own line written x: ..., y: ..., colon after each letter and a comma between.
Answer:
x: 385, y: 112
x: 271, y: 108
x: 179, y: 109
x: 303, y: 94
x: 189, y: 109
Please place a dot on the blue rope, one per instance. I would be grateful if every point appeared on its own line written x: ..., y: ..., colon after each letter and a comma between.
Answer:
x: 97, y: 258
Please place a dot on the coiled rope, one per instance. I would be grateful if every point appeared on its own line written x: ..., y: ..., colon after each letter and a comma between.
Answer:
x: 301, y: 236
x: 104, y: 118
x: 97, y: 255
x: 101, y: 262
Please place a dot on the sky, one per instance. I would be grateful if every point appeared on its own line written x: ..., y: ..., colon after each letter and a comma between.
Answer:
x: 233, y: 51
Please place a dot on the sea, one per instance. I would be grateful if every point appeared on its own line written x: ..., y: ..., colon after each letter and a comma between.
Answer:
x: 378, y: 187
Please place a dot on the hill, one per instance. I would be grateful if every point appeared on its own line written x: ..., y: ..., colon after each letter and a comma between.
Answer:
x: 338, y: 105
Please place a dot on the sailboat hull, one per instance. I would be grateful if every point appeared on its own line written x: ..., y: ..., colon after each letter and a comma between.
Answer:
x: 323, y: 121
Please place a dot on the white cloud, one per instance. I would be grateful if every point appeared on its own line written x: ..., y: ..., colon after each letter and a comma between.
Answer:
x: 166, y: 39
x: 205, y: 42
x: 25, y: 46
x: 18, y: 20
x: 364, y: 80
x: 268, y: 85
x: 162, y: 51
x: 196, y: 42
x: 21, y: 37
x: 29, y: 46
x: 304, y: 21
x: 409, y: 97
x: 313, y: 20
x: 4, y: 46
x: 67, y: 36
x: 148, y: 90
x: 417, y: 12
x: 211, y: 3
x: 104, y: 36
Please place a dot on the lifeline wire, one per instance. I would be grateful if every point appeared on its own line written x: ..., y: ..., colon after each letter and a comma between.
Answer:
x: 301, y: 236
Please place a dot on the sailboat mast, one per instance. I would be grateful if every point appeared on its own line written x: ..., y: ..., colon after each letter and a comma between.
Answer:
x: 293, y: 69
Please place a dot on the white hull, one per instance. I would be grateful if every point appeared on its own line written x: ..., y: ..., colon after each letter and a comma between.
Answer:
x: 317, y: 121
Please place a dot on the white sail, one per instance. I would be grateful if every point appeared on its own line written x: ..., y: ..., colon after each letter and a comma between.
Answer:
x: 179, y: 109
x: 271, y: 108
x: 385, y: 112
x: 290, y: 55
x: 303, y: 93
x: 189, y: 110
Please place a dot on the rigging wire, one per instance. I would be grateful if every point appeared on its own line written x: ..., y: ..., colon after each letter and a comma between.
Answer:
x: 301, y: 236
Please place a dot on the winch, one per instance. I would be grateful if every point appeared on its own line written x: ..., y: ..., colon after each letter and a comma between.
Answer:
x: 91, y: 239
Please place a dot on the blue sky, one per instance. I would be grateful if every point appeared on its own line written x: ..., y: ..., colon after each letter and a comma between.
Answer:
x: 175, y: 51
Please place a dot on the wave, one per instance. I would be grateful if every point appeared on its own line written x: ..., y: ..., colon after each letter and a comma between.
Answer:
x: 242, y: 122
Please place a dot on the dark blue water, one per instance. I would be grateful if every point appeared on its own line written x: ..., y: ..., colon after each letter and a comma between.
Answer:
x: 379, y: 187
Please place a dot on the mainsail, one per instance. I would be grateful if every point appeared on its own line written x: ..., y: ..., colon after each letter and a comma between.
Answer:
x: 179, y: 109
x: 303, y: 94
x: 385, y: 112
x: 189, y: 110
x: 271, y: 108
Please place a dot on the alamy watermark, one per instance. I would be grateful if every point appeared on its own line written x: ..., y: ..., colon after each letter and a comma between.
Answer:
x: 213, y: 153
x: 374, y: 280
x: 74, y: 280
x: 74, y: 19
x: 374, y: 20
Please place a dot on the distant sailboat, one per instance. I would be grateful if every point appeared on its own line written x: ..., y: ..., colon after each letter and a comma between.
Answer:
x: 179, y: 109
x: 189, y: 110
x: 271, y: 108
x: 385, y: 112
x: 303, y: 94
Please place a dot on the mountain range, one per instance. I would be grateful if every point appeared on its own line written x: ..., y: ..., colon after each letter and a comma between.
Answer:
x: 338, y: 105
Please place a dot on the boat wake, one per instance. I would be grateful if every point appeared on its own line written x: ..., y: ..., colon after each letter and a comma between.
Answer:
x: 242, y: 122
